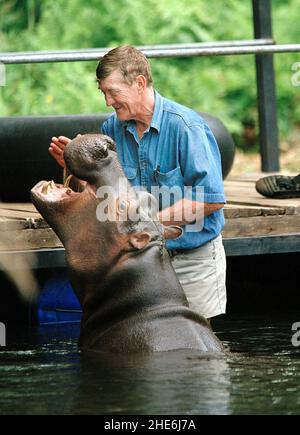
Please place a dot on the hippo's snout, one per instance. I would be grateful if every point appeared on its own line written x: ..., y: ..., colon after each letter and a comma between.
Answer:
x: 85, y: 154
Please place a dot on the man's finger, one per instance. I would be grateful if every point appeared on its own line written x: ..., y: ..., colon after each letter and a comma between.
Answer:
x: 65, y: 140
x: 56, y: 155
x: 56, y: 149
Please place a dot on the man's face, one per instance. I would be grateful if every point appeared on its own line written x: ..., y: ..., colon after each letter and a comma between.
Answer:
x: 124, y: 98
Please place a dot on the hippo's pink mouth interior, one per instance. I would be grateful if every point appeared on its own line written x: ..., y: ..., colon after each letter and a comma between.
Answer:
x: 50, y: 191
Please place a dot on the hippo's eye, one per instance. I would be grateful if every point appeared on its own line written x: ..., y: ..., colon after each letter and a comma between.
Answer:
x: 122, y: 206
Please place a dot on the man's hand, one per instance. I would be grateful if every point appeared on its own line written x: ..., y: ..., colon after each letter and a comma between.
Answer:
x: 185, y: 211
x: 57, y: 147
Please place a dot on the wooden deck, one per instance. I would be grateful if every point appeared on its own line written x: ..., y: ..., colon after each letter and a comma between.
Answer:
x: 254, y: 225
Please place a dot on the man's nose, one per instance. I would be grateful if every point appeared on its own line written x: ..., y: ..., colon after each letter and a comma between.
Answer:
x: 109, y: 100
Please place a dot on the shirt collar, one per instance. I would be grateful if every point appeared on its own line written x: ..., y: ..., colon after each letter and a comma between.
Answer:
x: 158, y: 112
x: 156, y: 118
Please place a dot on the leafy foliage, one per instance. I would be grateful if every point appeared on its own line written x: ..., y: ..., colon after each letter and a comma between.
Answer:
x: 224, y: 86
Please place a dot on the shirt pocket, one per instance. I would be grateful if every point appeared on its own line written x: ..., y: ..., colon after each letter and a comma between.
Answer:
x: 171, y: 186
x: 130, y: 172
x: 170, y: 179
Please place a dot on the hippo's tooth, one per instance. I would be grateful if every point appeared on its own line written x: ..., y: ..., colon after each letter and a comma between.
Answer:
x: 47, y: 187
x: 67, y: 181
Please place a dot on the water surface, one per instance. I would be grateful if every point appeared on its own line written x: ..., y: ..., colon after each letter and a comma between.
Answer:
x: 42, y: 372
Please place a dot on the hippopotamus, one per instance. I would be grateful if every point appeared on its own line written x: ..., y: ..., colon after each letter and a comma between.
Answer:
x: 119, y: 267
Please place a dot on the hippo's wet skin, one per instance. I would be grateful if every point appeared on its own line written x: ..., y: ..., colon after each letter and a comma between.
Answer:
x: 131, y: 298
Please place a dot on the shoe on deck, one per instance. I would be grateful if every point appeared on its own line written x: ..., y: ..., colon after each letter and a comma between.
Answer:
x: 279, y: 186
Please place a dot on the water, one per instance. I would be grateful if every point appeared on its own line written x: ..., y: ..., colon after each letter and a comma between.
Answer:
x: 41, y: 372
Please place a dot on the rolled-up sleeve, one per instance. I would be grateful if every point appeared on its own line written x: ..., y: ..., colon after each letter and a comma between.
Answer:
x: 106, y: 128
x: 200, y: 162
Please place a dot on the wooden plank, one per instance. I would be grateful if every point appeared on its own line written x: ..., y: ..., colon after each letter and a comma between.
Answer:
x: 260, y: 202
x: 244, y: 246
x: 243, y: 184
x: 261, y: 226
x: 16, y: 214
x: 232, y: 211
x: 13, y: 224
x: 240, y: 187
x: 238, y: 227
x: 250, y: 191
x: 247, y: 213
x: 251, y: 197
x: 18, y: 206
x: 31, y: 239
x: 255, y: 176
x: 244, y: 193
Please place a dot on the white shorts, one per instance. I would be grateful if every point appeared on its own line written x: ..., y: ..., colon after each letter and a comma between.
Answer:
x: 202, y: 274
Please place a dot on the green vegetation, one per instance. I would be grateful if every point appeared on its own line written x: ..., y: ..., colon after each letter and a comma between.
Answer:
x: 224, y: 86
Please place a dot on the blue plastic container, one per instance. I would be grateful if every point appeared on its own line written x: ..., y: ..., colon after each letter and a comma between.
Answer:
x: 58, y: 303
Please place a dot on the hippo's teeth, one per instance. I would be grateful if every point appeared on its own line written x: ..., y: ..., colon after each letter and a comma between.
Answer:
x: 47, y: 187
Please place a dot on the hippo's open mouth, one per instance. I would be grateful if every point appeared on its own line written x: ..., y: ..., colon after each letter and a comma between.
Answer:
x: 49, y: 191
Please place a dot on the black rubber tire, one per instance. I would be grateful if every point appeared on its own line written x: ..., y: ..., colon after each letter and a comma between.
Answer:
x: 24, y: 143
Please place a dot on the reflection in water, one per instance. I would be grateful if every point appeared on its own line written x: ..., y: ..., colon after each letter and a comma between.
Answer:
x: 43, y: 373
x: 167, y: 383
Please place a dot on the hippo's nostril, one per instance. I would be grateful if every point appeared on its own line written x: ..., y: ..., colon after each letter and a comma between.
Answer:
x: 104, y: 152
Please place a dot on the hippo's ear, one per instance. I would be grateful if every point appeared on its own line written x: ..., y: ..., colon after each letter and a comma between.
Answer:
x: 140, y: 240
x: 172, y: 232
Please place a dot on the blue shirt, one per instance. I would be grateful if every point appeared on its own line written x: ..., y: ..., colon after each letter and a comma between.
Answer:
x: 177, y: 149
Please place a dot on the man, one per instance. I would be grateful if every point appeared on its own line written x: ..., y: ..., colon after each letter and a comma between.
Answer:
x: 161, y: 143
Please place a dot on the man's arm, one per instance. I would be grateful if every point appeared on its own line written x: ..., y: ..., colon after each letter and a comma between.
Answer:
x: 185, y: 212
